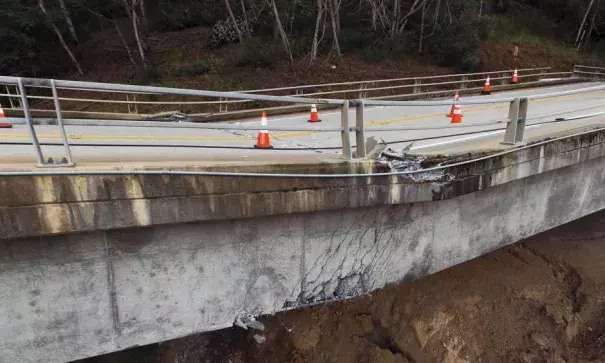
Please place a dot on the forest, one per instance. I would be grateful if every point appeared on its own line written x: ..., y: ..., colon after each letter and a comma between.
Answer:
x: 51, y: 37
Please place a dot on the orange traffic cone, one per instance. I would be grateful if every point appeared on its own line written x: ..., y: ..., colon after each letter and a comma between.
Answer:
x: 515, y: 78
x: 314, y: 114
x: 487, y: 88
x: 457, y: 115
x: 263, y: 141
x: 456, y: 98
x: 2, y: 115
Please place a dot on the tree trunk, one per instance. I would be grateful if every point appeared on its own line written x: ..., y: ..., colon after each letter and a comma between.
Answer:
x: 580, y: 31
x: 422, y: 27
x: 395, y: 22
x: 144, y: 21
x: 282, y: 33
x: 131, y: 9
x: 594, y: 17
x: 337, y: 14
x: 135, y: 26
x: 232, y: 17
x: 70, y: 24
x: 315, y: 45
x: 245, y: 15
x: 374, y: 12
x: 293, y: 12
x: 61, y: 40
x: 335, y: 27
x: 124, y: 42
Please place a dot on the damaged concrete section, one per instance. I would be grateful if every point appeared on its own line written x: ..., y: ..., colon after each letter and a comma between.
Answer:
x: 103, y: 263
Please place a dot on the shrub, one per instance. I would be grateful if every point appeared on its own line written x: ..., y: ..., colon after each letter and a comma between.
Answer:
x: 259, y: 52
x: 180, y: 15
x: 224, y: 32
x: 458, y: 45
x: 389, y: 48
x: 210, y: 64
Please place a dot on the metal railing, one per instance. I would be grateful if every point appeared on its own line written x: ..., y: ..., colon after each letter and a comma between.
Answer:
x: 590, y: 72
x: 141, y: 106
x: 515, y: 123
x: 53, y: 85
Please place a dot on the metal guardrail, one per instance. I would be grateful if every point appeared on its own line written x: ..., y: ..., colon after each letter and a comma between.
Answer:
x: 133, y: 102
x: 21, y: 84
x: 514, y: 134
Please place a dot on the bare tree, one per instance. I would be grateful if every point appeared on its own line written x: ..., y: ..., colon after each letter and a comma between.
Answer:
x: 70, y: 24
x: 133, y: 7
x: 334, y: 7
x: 282, y: 33
x: 60, y: 36
x: 124, y: 43
x: 422, y: 15
x: 245, y: 16
x: 315, y: 44
x: 581, y: 30
x: 232, y: 17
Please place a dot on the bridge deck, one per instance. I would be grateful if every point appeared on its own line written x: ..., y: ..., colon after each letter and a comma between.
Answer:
x: 104, y: 146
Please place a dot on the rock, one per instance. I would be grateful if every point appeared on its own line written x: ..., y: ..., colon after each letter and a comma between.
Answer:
x: 255, y: 324
x: 366, y: 324
x: 452, y: 353
x: 572, y: 329
x: 308, y: 338
x: 540, y: 339
x: 386, y: 356
x: 260, y: 339
x: 425, y: 330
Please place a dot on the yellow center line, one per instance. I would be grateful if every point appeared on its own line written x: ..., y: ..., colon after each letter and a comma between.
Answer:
x: 429, y: 115
x: 473, y: 109
x: 128, y: 137
x: 279, y: 136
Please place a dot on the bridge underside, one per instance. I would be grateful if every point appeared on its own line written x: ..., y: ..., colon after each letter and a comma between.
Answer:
x: 75, y: 295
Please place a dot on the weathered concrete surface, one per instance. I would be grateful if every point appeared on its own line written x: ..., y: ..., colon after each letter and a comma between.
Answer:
x: 69, y: 296
x: 38, y: 206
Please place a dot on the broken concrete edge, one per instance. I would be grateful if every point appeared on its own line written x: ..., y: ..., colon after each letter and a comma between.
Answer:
x: 50, y: 205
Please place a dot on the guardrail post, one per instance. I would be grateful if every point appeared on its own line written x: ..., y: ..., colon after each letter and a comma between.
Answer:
x: 463, y: 82
x: 360, y: 138
x: 346, y: 139
x: 517, y: 118
x: 128, y: 104
x: 10, y: 99
x: 30, y: 123
x: 504, y: 80
x: 542, y: 74
x: 362, y: 88
x: 61, y: 127
x: 417, y: 84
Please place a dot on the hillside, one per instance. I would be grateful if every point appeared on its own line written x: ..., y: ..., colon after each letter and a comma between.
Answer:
x: 195, y: 44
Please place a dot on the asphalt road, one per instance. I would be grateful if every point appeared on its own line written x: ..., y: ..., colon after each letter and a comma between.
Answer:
x: 148, y: 145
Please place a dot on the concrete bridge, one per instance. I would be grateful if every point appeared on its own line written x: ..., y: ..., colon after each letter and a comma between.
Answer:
x: 101, y: 261
x: 153, y: 236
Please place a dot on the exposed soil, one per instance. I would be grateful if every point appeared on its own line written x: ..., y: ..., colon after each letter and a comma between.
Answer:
x: 496, y: 56
x: 106, y: 62
x: 542, y: 300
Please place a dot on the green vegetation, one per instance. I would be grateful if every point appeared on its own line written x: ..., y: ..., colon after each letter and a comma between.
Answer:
x: 53, y: 37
